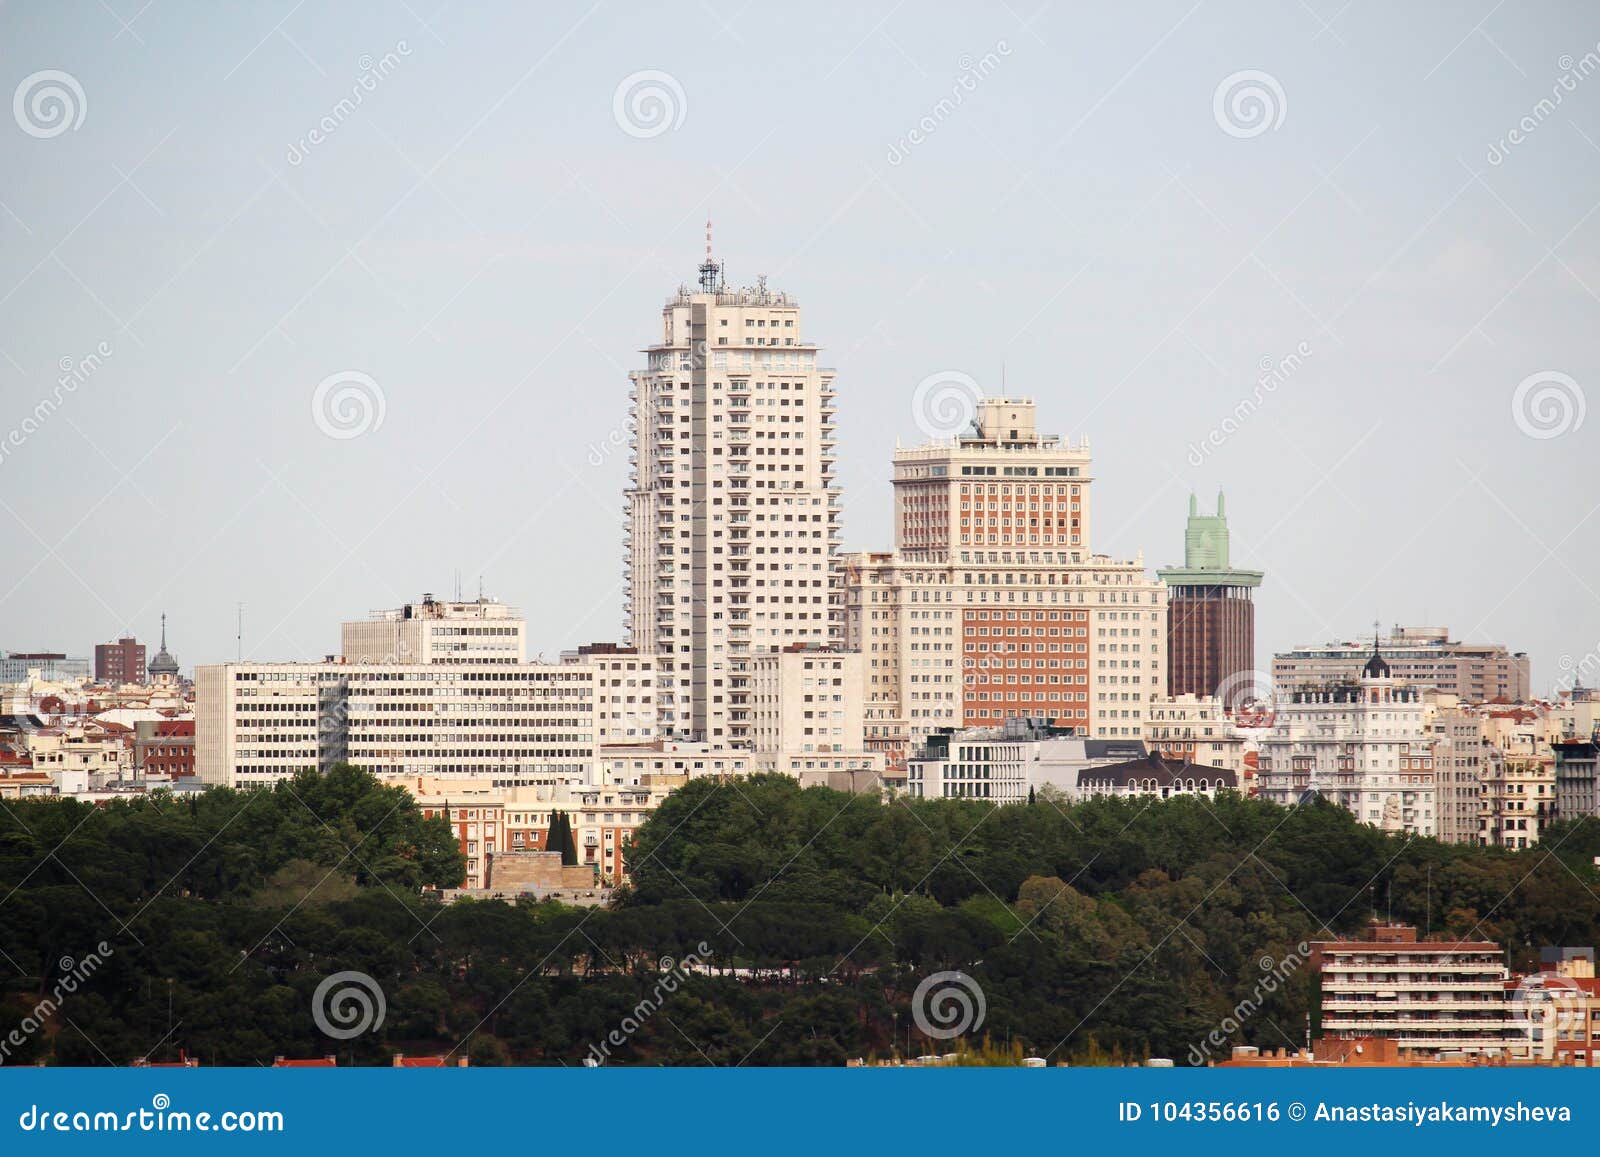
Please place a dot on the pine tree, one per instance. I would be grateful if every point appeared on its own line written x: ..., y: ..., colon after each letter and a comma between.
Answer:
x: 561, y: 839
x: 569, y: 845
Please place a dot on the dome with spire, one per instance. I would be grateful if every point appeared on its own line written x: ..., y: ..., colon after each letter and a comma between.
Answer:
x: 1377, y: 667
x: 163, y: 663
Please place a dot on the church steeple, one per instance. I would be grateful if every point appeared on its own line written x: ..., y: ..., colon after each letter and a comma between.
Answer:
x: 163, y: 663
x: 1377, y: 667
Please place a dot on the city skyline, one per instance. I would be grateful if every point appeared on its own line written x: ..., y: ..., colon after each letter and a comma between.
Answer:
x: 1146, y: 268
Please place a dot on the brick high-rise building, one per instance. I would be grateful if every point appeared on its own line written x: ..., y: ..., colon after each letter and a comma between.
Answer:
x: 1211, y: 615
x: 993, y: 606
x: 733, y: 506
x: 119, y: 662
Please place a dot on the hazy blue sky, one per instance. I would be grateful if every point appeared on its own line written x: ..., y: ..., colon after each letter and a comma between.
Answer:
x: 482, y: 238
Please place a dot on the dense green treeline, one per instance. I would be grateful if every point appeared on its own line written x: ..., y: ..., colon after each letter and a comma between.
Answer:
x: 1111, y: 928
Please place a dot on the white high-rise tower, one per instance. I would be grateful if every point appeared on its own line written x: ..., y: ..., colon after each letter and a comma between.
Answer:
x: 733, y: 510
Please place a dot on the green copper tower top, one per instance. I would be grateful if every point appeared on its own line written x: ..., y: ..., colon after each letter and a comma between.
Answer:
x: 1205, y: 552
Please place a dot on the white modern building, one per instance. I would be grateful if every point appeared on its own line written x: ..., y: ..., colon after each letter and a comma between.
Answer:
x: 1009, y: 763
x: 733, y: 507
x: 256, y: 723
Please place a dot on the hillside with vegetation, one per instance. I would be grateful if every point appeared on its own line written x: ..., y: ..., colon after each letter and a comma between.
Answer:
x: 1102, y: 930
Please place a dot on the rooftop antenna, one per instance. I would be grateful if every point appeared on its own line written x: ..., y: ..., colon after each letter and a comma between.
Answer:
x: 238, y: 637
x: 710, y: 271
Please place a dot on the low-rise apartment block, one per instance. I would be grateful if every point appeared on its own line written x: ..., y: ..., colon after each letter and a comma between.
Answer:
x: 256, y: 723
x: 1429, y: 996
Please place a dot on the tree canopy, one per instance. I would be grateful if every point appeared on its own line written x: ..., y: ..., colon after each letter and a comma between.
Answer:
x: 1104, y: 930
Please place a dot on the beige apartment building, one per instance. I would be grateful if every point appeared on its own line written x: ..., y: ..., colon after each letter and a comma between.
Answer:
x: 733, y: 504
x: 806, y: 700
x: 1422, y: 656
x: 625, y: 688
x: 1461, y: 754
x: 431, y: 631
x: 1195, y: 728
x: 992, y: 605
x: 1517, y: 799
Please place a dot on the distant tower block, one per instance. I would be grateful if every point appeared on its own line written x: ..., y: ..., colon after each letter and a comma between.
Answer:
x: 1211, y: 614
